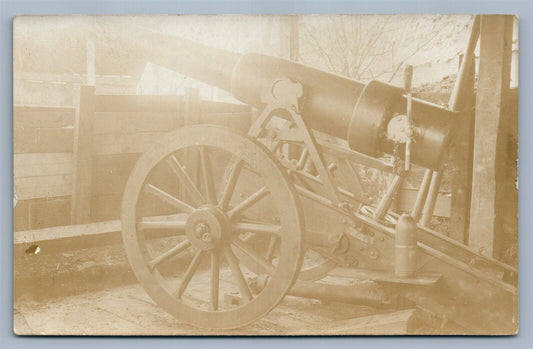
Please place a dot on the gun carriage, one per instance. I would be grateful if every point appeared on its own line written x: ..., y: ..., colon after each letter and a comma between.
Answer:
x: 274, y: 210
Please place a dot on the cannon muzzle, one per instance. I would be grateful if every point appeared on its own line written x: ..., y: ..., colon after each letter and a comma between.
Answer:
x: 333, y: 104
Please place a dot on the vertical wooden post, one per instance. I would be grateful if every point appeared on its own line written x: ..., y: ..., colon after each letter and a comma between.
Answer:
x: 462, y: 165
x: 294, y: 43
x: 463, y: 100
x: 80, y: 208
x: 460, y: 98
x: 289, y: 40
x: 289, y: 49
x: 487, y: 205
x: 91, y: 65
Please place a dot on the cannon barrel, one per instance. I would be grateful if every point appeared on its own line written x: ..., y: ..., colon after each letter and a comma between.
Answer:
x: 333, y: 104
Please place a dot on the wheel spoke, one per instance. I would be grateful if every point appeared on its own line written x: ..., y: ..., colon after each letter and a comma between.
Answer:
x: 191, y: 269
x: 237, y: 273
x: 169, y: 199
x: 256, y: 228
x: 266, y: 267
x: 231, y: 182
x: 182, y: 246
x: 251, y: 200
x: 186, y: 181
x: 271, y: 247
x: 208, y: 176
x: 215, y: 271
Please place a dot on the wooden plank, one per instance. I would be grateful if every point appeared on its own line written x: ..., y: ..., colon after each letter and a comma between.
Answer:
x: 488, y: 194
x: 82, y: 156
x: 289, y: 45
x: 76, y: 79
x: 43, y: 116
x: 510, y: 220
x: 67, y: 231
x: 41, y: 164
x: 134, y: 122
x: 51, y: 77
x: 26, y: 188
x: 42, y: 140
x: 111, y: 172
x: 463, y: 153
x: 91, y: 65
x: 400, y: 322
x: 21, y: 215
x: 137, y: 103
x: 106, y: 207
x: 119, y: 143
x: 48, y: 213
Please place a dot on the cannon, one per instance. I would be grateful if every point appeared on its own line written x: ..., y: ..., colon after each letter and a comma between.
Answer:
x: 336, y: 105
x: 219, y: 226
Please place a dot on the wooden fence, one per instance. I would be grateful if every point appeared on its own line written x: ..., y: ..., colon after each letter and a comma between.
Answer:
x: 71, y: 163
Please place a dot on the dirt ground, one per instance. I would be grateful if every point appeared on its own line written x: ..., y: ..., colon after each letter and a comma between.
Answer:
x: 128, y: 310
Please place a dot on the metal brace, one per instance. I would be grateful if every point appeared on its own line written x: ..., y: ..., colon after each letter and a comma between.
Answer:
x: 285, y: 96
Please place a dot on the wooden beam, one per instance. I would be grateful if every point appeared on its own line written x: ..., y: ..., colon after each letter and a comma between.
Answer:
x: 463, y: 100
x: 41, y: 164
x: 458, y: 101
x: 91, y: 65
x: 120, y: 143
x: 82, y: 156
x: 66, y: 231
x: 42, y: 116
x: 463, y: 153
x: 134, y: 103
x: 490, y: 134
x: 400, y: 322
x: 43, y: 186
x: 43, y: 140
x: 289, y: 43
x: 289, y: 47
x: 134, y: 122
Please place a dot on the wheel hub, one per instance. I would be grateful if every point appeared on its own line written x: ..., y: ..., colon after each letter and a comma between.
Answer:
x: 207, y: 228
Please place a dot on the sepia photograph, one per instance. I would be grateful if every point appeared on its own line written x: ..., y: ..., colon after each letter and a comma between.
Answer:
x: 265, y: 175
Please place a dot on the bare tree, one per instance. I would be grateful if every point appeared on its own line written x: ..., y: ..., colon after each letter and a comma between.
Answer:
x: 365, y: 47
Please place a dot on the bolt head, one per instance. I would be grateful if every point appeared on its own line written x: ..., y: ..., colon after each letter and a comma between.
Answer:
x: 206, y: 237
x: 200, y: 229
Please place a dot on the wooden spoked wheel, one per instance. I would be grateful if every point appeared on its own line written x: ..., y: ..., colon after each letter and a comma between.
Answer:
x: 204, y: 212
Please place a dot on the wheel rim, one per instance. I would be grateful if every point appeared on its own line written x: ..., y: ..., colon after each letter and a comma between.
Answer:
x: 209, y: 224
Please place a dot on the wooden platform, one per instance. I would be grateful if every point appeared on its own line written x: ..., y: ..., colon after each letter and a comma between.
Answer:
x: 128, y: 310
